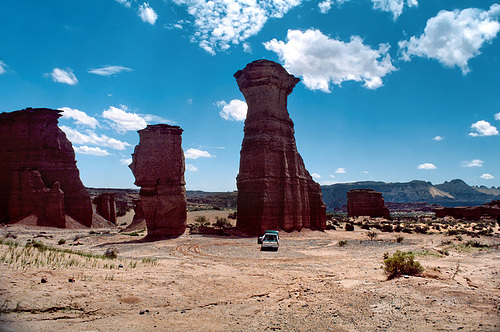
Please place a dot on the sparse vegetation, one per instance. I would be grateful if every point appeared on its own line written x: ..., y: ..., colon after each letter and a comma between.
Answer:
x: 372, y: 234
x: 342, y: 243
x: 111, y: 252
x: 36, y: 254
x: 401, y: 263
x: 202, y: 221
x: 233, y: 215
x: 222, y: 222
x: 400, y: 238
x: 61, y: 241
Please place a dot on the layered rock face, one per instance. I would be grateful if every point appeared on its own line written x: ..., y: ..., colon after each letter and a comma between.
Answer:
x: 31, y: 140
x: 274, y: 188
x: 106, y: 206
x: 366, y: 202
x: 158, y: 167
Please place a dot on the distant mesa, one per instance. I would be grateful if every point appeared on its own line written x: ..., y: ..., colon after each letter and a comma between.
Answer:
x: 366, y: 202
x: 158, y: 166
x: 491, y: 209
x: 38, y: 174
x: 274, y: 188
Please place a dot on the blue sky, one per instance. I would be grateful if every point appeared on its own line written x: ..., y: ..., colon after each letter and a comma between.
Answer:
x: 391, y: 90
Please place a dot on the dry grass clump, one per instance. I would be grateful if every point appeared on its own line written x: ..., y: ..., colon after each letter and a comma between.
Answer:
x: 38, y: 255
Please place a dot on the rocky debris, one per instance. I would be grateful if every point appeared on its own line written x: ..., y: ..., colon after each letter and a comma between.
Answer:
x: 491, y: 209
x: 158, y: 167
x: 274, y: 188
x: 366, y: 202
x: 30, y: 196
x: 106, y: 206
x: 31, y: 140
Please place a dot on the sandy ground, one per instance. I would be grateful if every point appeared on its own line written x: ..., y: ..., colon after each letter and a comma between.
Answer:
x: 208, y: 283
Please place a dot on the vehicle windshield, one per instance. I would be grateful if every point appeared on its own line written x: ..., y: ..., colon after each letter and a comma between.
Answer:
x: 270, y: 237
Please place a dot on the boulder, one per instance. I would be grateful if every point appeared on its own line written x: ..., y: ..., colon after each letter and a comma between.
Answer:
x: 366, y: 202
x: 274, y: 188
x: 158, y: 167
x: 31, y: 140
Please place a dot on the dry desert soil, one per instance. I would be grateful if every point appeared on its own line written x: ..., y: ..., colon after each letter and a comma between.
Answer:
x: 316, y: 281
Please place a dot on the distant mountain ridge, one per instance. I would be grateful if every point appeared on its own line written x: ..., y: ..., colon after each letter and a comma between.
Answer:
x: 453, y: 193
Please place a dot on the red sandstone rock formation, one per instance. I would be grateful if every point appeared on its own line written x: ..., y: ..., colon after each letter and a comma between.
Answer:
x: 158, y: 167
x: 30, y: 196
x: 106, y: 206
x: 366, y: 202
x: 274, y: 188
x: 30, y: 139
x: 470, y: 213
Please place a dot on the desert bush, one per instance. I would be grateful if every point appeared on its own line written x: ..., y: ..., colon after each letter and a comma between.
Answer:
x: 61, y: 241
x: 222, y: 222
x: 232, y: 215
x: 111, y: 253
x: 475, y: 244
x: 342, y: 243
x: 371, y: 234
x: 202, y: 220
x: 401, y: 263
x: 387, y: 228
x: 399, y: 238
x: 349, y: 227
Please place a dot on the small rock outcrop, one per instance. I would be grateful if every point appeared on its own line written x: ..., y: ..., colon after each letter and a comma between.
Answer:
x: 37, y: 154
x: 106, y: 206
x: 366, y: 202
x: 274, y: 188
x: 158, y: 167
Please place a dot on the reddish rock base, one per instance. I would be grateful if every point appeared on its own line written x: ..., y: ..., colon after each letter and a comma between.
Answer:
x: 470, y: 213
x: 366, y: 202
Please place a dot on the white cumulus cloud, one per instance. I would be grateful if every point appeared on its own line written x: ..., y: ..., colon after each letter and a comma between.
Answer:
x: 91, y: 151
x: 126, y: 161
x: 315, y: 176
x: 90, y: 137
x: 320, y: 60
x: 393, y: 6
x: 195, y: 154
x: 487, y: 176
x: 81, y: 118
x: 454, y: 37
x: 483, y: 128
x: 122, y: 120
x: 236, y: 110
x: 438, y: 138
x: 340, y: 170
x: 126, y: 3
x: 191, y: 168
x: 426, y: 166
x: 472, y: 163
x: 63, y: 76
x: 2, y: 67
x: 497, y: 116
x: 218, y: 24
x: 147, y: 14
x: 109, y: 70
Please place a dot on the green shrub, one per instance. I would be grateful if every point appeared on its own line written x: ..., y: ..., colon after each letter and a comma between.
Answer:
x: 399, y: 239
x: 202, y: 220
x: 342, y: 243
x: 222, y: 222
x: 61, y: 241
x: 401, y: 263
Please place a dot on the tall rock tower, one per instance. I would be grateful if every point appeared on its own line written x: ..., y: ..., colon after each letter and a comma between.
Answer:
x: 274, y: 188
x: 158, y: 167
